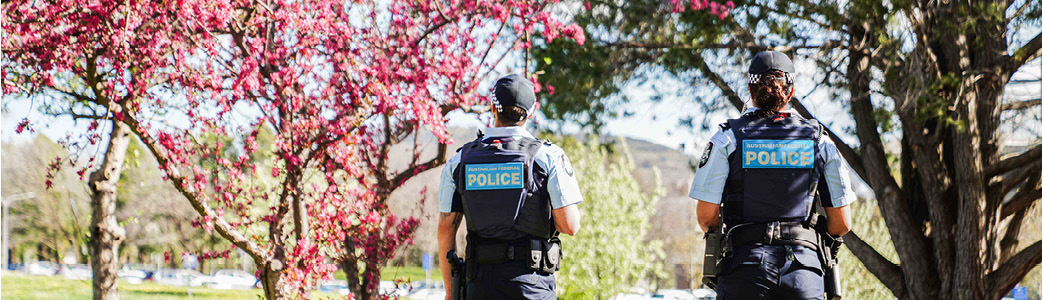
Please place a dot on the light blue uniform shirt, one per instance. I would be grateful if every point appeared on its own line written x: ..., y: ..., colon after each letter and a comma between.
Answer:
x: 709, y: 181
x: 561, y: 184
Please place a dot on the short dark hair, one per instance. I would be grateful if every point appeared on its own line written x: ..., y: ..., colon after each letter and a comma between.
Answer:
x: 512, y: 116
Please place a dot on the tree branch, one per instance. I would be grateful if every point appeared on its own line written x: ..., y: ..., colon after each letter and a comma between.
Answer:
x: 1020, y: 105
x: 405, y: 175
x: 853, y: 158
x: 1004, y: 278
x: 1028, y: 52
x: 1022, y: 200
x: 200, y: 205
x: 720, y: 83
x: 886, y: 271
x: 1015, y: 178
x: 833, y: 44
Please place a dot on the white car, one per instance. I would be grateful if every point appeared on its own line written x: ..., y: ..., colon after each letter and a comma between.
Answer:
x: 41, y: 268
x: 132, y: 276
x: 78, y: 272
x: 389, y: 288
x: 230, y: 279
x: 704, y: 294
x: 427, y: 294
x: 179, y: 277
x: 673, y: 295
x: 335, y: 286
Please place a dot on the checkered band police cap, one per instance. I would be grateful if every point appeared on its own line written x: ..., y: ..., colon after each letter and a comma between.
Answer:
x: 513, y: 90
x: 767, y: 61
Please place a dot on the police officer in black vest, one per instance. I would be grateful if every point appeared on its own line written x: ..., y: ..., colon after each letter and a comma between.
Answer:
x: 516, y: 194
x: 759, y: 175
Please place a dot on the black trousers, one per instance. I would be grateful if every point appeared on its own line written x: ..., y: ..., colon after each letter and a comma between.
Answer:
x: 776, y: 272
x: 510, y: 280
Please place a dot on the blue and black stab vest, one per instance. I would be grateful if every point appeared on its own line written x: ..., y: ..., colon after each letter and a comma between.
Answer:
x: 503, y: 190
x: 775, y: 169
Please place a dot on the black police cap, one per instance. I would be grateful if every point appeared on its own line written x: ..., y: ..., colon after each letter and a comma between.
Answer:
x: 514, y: 90
x: 770, y: 60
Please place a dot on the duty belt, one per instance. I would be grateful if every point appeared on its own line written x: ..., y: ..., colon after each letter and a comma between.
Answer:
x: 774, y: 233
x: 500, y: 253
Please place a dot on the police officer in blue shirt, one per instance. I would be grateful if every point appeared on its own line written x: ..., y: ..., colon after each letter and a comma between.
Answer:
x: 516, y: 193
x: 759, y: 176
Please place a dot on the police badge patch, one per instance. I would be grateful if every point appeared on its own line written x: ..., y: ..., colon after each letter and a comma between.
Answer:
x: 566, y: 165
x: 706, y: 154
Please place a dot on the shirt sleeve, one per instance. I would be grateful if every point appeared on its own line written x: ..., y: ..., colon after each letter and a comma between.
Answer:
x: 835, y: 175
x: 561, y: 180
x: 709, y: 180
x: 449, y: 199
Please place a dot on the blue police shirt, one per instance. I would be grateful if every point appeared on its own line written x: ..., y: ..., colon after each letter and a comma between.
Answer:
x: 561, y: 184
x: 709, y: 181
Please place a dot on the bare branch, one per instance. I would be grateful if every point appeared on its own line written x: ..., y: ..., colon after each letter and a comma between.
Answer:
x: 1004, y: 278
x: 720, y: 83
x: 888, y: 272
x: 1021, y: 201
x: 834, y: 44
x: 847, y: 152
x: 1028, y: 52
x: 1021, y: 104
x: 439, y: 159
x: 1008, y: 164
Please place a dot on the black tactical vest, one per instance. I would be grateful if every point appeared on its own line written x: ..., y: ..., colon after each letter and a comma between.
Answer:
x: 774, y: 171
x: 503, y: 191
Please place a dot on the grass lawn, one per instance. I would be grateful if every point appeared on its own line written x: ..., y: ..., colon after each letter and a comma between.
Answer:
x: 406, y: 273
x: 16, y: 286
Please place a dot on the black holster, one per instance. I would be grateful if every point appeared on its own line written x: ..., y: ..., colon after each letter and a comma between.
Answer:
x: 459, y: 277
x: 714, y: 252
x: 828, y: 249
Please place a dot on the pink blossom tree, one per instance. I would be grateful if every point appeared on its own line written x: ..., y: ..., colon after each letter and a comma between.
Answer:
x: 339, y: 83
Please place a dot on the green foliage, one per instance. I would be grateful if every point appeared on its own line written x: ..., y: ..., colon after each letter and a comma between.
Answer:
x: 858, y: 282
x: 624, y: 39
x: 609, y: 254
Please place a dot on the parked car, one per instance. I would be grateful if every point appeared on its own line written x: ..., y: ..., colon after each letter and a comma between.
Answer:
x: 132, y: 276
x: 704, y: 294
x: 230, y: 279
x: 390, y: 288
x: 335, y: 286
x: 76, y: 271
x: 427, y: 293
x: 673, y: 295
x: 41, y: 268
x: 179, y: 277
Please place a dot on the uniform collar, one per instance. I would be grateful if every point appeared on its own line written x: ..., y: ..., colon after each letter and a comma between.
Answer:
x: 507, y: 131
x: 788, y: 110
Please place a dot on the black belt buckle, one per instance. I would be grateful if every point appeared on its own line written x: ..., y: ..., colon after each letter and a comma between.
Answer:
x: 772, y: 232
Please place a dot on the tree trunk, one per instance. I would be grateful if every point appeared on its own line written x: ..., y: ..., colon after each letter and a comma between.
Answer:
x: 106, y: 233
x: 357, y: 283
x: 272, y: 280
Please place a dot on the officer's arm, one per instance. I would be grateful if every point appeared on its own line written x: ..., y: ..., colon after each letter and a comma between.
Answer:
x: 839, y: 220
x: 709, y: 179
x: 562, y: 188
x: 450, y: 216
x: 567, y: 219
x: 447, y: 234
x: 708, y: 214
x: 835, y: 190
